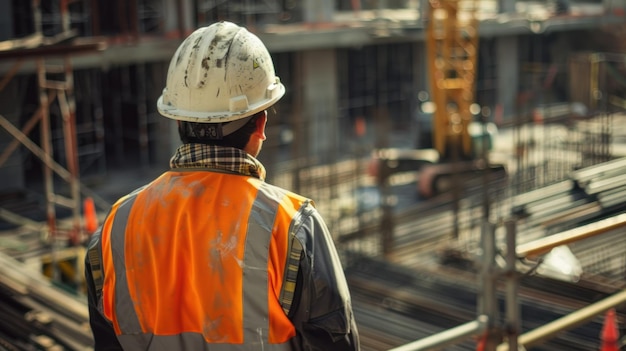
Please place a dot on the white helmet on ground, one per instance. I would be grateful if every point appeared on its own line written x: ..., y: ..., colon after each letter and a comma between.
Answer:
x: 220, y: 73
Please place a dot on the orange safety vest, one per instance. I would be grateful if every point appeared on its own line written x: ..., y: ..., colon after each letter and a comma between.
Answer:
x: 201, y: 260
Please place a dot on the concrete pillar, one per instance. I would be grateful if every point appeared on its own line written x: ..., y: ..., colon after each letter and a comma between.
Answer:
x: 167, y: 140
x: 507, y: 75
x: 318, y: 11
x: 506, y: 6
x: 178, y: 16
x: 319, y: 84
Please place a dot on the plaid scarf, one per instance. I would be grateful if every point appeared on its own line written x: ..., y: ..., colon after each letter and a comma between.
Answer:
x: 217, y: 157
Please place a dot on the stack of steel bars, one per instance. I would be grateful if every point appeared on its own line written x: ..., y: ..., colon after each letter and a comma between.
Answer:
x: 36, y: 315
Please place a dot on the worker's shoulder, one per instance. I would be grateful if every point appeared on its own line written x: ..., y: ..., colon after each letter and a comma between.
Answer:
x: 280, y: 193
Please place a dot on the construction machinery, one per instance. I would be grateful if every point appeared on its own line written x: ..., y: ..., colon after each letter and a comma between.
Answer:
x: 458, y: 153
x: 452, y: 51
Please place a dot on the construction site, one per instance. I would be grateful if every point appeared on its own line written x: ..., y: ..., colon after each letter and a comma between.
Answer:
x: 469, y: 157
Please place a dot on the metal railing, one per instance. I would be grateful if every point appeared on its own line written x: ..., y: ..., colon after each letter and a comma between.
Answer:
x: 484, y: 323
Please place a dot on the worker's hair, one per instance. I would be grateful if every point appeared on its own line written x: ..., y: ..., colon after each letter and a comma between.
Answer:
x: 203, y: 133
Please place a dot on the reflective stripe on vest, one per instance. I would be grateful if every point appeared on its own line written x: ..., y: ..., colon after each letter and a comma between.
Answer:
x: 270, y: 211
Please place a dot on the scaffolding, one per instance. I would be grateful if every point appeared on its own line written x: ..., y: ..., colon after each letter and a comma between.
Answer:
x: 52, y: 59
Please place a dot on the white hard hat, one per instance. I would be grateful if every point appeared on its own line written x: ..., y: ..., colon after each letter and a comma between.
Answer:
x: 220, y: 73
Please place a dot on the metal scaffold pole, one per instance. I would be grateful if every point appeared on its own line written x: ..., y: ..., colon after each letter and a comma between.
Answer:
x: 488, y: 298
x: 46, y: 146
x: 63, y: 90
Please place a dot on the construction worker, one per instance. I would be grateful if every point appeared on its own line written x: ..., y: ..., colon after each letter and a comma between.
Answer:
x: 208, y: 256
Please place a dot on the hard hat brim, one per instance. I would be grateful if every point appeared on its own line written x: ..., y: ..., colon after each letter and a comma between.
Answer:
x: 172, y: 112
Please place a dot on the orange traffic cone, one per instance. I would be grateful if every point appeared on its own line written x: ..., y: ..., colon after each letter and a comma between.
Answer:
x: 610, y: 334
x: 91, y: 220
x: 480, y: 346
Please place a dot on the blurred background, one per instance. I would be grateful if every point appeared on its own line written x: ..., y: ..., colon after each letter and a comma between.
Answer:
x: 467, y: 155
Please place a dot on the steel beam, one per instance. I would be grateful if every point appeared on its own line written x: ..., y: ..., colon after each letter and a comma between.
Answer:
x: 547, y: 331
x: 544, y: 245
x: 448, y: 337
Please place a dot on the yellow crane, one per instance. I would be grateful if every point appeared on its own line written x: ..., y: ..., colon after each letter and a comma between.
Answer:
x: 452, y: 47
x: 452, y: 52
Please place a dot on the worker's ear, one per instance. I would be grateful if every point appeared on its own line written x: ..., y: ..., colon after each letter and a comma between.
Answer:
x: 259, y: 132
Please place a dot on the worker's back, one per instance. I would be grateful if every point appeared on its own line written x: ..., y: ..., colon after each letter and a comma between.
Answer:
x: 200, y: 258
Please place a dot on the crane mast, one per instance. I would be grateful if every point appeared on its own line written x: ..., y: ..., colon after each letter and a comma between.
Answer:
x: 452, y: 50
